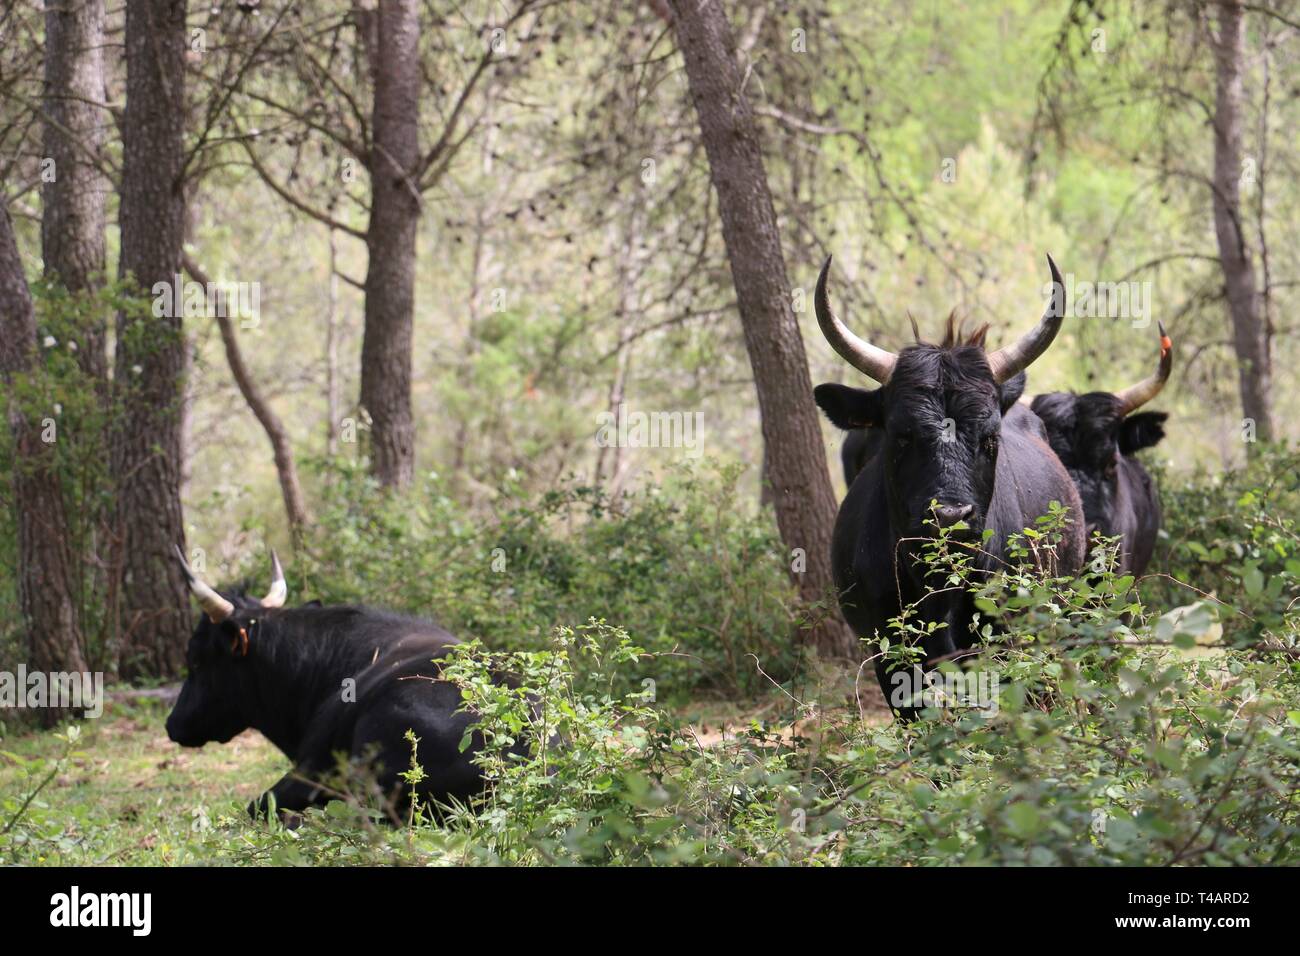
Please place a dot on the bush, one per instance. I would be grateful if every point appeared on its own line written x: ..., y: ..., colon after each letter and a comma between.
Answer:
x: 702, y: 585
x: 1235, y: 536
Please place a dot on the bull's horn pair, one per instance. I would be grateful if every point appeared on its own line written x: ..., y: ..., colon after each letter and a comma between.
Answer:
x: 1135, y: 396
x: 879, y: 363
x: 218, y: 608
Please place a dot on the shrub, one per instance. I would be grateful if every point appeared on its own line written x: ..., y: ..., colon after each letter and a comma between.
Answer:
x: 702, y: 585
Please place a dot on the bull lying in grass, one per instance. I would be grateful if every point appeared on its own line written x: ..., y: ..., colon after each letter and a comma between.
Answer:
x: 321, y: 681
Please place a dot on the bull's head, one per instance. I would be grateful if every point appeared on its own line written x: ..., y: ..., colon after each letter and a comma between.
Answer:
x: 208, y: 706
x: 940, y: 408
x: 1090, y: 433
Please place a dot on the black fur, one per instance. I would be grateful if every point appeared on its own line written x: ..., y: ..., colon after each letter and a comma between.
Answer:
x: 864, y: 438
x: 1096, y: 443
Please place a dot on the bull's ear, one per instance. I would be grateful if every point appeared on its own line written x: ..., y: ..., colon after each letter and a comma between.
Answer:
x: 1141, y: 431
x: 849, y: 407
x: 1011, y: 390
x: 232, y: 637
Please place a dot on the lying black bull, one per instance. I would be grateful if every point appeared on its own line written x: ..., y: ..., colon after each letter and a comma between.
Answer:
x: 287, y: 671
x: 1096, y: 436
x: 950, y: 432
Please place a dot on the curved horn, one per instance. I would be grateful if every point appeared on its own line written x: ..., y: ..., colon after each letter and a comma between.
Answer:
x: 1010, y: 360
x: 1135, y: 396
x: 279, y: 590
x: 861, y: 354
x: 216, y: 607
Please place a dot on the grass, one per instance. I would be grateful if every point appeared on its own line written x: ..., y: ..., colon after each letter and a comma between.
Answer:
x: 128, y: 795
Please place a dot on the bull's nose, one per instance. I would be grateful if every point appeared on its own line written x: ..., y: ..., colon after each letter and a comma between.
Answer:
x: 947, y: 515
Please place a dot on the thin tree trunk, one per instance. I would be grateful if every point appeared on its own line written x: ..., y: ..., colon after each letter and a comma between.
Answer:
x: 792, y: 435
x: 332, y: 354
x: 151, y: 350
x: 295, y: 507
x: 390, y: 240
x: 53, y: 639
x: 1249, y: 328
x: 72, y: 202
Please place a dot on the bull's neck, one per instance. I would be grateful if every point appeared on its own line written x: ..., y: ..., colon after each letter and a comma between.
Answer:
x: 289, y: 685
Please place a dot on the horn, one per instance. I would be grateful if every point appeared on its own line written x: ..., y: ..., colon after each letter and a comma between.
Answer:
x: 1010, y: 360
x: 1135, y: 396
x: 874, y: 362
x: 279, y: 590
x: 216, y: 607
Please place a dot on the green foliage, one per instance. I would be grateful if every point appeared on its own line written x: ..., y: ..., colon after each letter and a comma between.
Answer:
x: 703, y: 586
x: 1235, y: 536
x: 1106, y: 730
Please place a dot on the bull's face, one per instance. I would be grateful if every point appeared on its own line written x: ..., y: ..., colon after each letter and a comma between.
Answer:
x: 941, y: 414
x: 218, y: 678
x: 208, y: 707
x: 941, y: 408
x: 1090, y: 434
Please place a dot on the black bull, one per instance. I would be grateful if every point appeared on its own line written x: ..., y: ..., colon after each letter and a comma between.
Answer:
x: 1096, y: 436
x: 322, y: 681
x: 952, y: 445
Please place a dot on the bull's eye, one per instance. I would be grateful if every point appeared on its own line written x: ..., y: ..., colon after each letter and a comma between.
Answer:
x: 902, y: 440
x: 991, y: 444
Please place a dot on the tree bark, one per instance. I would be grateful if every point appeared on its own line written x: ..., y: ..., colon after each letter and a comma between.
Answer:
x: 151, y: 349
x: 1249, y: 327
x: 792, y: 436
x: 286, y: 470
x: 53, y: 638
x: 72, y: 203
x: 390, y: 241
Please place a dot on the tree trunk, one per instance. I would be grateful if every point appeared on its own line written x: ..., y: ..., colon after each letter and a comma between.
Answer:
x: 390, y: 241
x: 53, y: 639
x: 286, y: 470
x: 151, y: 349
x: 1249, y: 328
x: 792, y: 435
x: 72, y: 202
x: 332, y: 353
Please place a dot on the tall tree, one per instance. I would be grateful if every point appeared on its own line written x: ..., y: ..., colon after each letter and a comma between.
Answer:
x: 151, y: 351
x: 1250, y: 334
x: 72, y: 198
x: 793, y: 445
x: 53, y: 641
x: 390, y: 240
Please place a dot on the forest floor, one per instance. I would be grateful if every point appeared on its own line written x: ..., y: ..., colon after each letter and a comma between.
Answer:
x: 127, y: 795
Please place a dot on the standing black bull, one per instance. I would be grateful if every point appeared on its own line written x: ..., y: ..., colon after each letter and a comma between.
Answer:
x: 1095, y: 436
x: 318, y: 681
x: 950, y: 432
